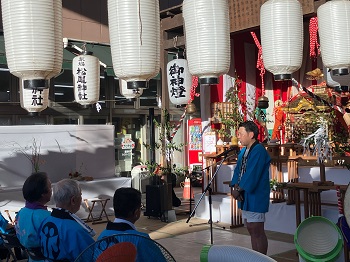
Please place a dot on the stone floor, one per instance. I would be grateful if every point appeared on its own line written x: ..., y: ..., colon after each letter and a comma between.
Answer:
x: 185, y: 240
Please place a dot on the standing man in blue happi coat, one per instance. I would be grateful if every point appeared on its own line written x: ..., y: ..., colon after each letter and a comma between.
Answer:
x: 251, y: 182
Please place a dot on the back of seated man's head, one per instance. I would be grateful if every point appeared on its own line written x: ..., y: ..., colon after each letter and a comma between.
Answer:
x: 67, y: 194
x: 37, y: 188
x: 126, y: 201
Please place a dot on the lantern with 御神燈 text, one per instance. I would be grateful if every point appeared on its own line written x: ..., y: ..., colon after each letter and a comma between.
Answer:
x: 86, y: 78
x: 33, y: 100
x: 33, y: 40
x: 179, y: 81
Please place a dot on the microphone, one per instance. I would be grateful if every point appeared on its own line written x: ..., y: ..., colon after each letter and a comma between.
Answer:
x: 227, y: 151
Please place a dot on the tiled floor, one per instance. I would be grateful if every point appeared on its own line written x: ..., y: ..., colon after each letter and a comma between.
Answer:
x: 185, y: 240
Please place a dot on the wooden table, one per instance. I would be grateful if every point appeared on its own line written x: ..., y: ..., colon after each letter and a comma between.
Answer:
x: 312, y: 197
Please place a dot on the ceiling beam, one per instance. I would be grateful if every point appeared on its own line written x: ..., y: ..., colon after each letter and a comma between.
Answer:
x: 171, y: 22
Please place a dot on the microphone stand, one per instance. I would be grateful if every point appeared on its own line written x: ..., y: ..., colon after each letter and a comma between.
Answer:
x: 209, y: 190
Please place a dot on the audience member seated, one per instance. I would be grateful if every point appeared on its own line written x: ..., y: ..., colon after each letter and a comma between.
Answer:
x: 37, y: 192
x: 127, y: 210
x: 7, y: 228
x: 63, y: 234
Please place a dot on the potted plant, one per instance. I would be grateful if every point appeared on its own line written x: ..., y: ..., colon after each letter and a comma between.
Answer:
x: 164, y: 173
x: 166, y: 147
x: 231, y: 117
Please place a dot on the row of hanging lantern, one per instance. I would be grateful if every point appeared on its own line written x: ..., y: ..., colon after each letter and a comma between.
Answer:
x: 135, y: 43
x: 281, y: 28
x: 135, y: 37
x: 135, y: 47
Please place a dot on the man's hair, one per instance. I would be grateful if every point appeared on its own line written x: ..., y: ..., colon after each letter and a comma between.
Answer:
x: 125, y: 201
x: 34, y: 186
x: 250, y: 126
x: 64, y: 190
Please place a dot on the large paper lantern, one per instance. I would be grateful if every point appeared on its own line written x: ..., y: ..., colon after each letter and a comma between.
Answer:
x: 33, y: 40
x: 86, y: 78
x: 179, y: 81
x: 207, y: 33
x: 281, y: 29
x: 130, y: 94
x: 134, y: 30
x: 334, y: 32
x: 33, y: 100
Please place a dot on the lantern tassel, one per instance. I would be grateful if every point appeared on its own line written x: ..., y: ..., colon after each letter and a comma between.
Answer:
x: 314, y: 45
x: 260, y: 62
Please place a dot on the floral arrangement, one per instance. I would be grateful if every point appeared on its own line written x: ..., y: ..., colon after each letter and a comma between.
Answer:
x: 32, y: 153
x: 274, y: 184
x: 77, y: 175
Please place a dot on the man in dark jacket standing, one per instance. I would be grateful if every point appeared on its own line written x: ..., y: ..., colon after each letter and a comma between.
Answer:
x: 251, y: 182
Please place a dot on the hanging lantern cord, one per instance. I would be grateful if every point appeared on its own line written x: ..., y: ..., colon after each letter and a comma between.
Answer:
x: 260, y: 62
x: 314, y: 45
x: 83, y: 47
x: 175, y: 46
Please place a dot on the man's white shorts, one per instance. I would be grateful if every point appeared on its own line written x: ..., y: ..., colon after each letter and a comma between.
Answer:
x: 252, y: 217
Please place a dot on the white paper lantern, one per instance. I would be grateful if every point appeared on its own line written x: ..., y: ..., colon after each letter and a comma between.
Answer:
x: 86, y: 78
x: 130, y: 94
x: 33, y: 100
x: 207, y: 33
x: 179, y: 81
x: 281, y: 29
x: 134, y: 30
x: 334, y: 32
x: 33, y: 39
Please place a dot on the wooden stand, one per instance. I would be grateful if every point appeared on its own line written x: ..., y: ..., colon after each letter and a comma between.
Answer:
x: 103, y: 213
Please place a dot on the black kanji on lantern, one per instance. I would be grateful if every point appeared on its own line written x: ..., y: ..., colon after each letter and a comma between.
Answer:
x: 81, y: 79
x: 177, y: 80
x: 37, y: 99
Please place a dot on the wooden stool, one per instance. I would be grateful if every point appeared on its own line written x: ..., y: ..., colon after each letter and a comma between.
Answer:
x: 8, y: 212
x: 103, y: 213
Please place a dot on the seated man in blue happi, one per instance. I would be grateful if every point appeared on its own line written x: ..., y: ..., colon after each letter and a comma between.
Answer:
x: 64, y: 235
x: 37, y: 192
x: 127, y: 210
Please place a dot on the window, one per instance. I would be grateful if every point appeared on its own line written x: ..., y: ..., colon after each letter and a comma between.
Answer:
x: 5, y: 84
x: 63, y: 87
